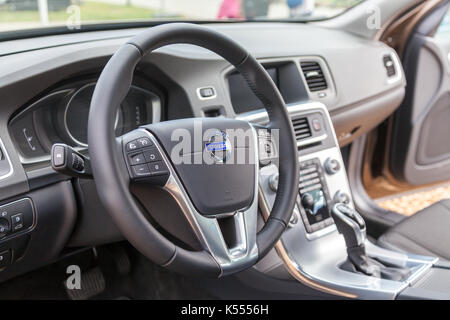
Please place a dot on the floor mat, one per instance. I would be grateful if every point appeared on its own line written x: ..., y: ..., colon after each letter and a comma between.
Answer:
x: 47, y: 282
x: 111, y: 272
x: 412, y: 202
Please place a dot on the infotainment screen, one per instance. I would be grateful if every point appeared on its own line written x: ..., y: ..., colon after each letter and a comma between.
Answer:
x: 319, y: 210
x: 242, y: 98
x: 315, y: 202
x: 287, y: 78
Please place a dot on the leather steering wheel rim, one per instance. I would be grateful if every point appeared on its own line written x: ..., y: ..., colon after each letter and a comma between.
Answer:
x: 107, y: 159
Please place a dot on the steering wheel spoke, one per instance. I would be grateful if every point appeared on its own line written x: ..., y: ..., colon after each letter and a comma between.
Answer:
x: 229, y: 238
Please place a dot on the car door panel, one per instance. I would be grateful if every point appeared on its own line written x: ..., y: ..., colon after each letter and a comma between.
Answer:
x: 420, y: 148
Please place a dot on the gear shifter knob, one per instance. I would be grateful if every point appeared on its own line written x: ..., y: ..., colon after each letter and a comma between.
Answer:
x: 350, y: 224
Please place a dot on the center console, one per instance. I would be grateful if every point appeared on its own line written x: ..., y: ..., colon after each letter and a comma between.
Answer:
x: 312, y: 249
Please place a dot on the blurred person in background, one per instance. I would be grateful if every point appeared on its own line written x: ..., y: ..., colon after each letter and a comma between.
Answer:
x: 301, y: 8
x: 248, y: 9
x: 230, y: 9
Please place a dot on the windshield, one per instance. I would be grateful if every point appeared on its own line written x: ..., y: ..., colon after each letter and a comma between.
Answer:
x: 26, y: 14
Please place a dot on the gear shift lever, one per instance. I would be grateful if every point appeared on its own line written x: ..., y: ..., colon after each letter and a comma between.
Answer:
x: 352, y: 226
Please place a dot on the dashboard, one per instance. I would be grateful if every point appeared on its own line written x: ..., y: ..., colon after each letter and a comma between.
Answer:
x: 46, y: 85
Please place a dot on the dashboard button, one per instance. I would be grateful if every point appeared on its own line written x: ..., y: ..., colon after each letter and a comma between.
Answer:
x: 17, y: 227
x: 158, y: 168
x: 136, y: 159
x: 17, y: 222
x: 152, y: 155
x: 17, y: 218
x: 141, y: 170
x: 5, y: 258
x: 316, y: 124
x: 4, y: 227
x: 207, y: 92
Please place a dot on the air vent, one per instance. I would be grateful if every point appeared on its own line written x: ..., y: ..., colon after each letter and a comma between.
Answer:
x: 389, y: 65
x: 314, y: 75
x: 301, y: 128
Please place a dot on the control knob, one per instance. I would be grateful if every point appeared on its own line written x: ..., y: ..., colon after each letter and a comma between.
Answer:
x: 273, y: 182
x: 332, y: 166
x: 308, y: 203
x: 341, y: 197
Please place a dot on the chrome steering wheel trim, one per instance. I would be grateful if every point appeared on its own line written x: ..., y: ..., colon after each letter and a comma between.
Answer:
x: 242, y: 255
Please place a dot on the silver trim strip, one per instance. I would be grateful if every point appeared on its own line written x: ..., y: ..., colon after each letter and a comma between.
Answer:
x: 321, y: 233
x: 11, y: 168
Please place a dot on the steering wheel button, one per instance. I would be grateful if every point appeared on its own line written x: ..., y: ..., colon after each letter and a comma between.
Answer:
x: 152, y: 155
x: 141, y: 170
x: 136, y: 159
x: 133, y: 145
x: 158, y: 168
x: 144, y: 142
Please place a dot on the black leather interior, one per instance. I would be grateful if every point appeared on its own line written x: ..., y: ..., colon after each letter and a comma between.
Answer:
x: 426, y: 233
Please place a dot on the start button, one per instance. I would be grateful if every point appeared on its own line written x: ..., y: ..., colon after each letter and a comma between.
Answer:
x: 206, y: 93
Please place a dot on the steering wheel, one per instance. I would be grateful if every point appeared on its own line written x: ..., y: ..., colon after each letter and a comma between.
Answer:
x: 206, y: 191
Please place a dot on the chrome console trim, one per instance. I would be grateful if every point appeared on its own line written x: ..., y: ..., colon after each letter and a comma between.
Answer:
x: 11, y: 168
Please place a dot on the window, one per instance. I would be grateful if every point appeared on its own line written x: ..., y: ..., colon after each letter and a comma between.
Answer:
x: 26, y: 14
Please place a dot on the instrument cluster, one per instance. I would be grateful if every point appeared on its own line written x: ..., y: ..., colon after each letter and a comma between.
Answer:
x: 62, y: 117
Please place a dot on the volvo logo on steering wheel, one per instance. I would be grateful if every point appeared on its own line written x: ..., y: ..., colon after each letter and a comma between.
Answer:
x: 219, y: 146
